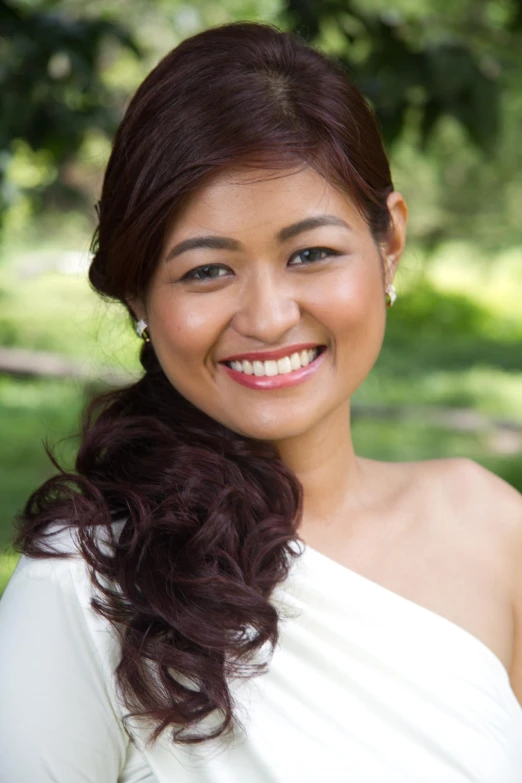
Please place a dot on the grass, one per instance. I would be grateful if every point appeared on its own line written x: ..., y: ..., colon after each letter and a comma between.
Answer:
x: 31, y: 412
x: 453, y: 339
x: 62, y: 315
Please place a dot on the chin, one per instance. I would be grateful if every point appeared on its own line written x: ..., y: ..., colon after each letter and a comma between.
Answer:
x: 269, y: 431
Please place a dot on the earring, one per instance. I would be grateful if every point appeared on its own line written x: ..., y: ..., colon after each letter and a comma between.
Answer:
x: 141, y: 328
x: 391, y: 295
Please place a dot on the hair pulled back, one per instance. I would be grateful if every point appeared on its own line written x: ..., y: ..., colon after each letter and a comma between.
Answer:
x: 207, y: 515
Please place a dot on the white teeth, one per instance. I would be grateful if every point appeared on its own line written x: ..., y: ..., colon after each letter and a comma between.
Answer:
x: 280, y: 367
x: 295, y: 361
x: 284, y: 365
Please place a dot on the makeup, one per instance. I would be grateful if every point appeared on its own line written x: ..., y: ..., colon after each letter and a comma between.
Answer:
x: 279, y: 381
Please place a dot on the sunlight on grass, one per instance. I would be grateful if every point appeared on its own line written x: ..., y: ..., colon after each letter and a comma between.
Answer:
x: 494, y: 282
x: 62, y: 315
x: 491, y: 391
x: 8, y: 561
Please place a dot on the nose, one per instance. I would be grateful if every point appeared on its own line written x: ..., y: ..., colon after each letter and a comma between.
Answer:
x: 267, y: 308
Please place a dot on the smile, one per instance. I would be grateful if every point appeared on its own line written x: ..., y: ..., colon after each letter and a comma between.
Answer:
x: 280, y: 367
x: 276, y: 374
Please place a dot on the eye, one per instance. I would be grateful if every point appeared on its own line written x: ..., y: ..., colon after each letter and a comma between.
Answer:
x: 313, y: 252
x: 208, y: 272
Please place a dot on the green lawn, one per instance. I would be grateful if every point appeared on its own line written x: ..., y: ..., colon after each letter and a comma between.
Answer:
x: 454, y: 339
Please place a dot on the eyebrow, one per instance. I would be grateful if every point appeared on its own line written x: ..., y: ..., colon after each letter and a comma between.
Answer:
x: 227, y: 243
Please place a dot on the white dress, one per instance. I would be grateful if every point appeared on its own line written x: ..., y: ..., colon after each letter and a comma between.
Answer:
x: 365, y: 686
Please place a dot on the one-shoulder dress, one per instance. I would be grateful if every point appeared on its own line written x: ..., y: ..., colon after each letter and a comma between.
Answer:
x: 364, y: 686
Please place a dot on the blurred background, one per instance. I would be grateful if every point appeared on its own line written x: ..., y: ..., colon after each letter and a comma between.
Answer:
x: 445, y: 79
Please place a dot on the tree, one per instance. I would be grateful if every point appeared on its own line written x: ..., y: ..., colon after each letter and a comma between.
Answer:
x: 51, y: 90
x: 441, y: 63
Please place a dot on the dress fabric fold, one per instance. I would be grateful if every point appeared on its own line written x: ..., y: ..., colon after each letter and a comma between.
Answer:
x: 364, y: 686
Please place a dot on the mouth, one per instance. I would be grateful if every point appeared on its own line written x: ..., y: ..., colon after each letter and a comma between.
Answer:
x: 274, y: 374
x: 287, y: 365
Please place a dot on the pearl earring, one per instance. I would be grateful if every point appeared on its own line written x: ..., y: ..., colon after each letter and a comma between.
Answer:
x: 141, y: 328
x: 391, y: 295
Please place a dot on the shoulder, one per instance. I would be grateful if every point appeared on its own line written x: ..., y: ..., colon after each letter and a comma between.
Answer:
x: 464, y: 502
x: 479, y: 503
x: 56, y: 593
x: 62, y: 538
x: 57, y: 656
x: 471, y: 489
x: 492, y: 509
x: 457, y: 486
x: 488, y: 512
x: 487, y: 495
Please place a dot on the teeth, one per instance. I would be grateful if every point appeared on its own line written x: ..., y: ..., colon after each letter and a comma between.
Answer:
x: 284, y: 365
x: 295, y: 361
x: 280, y: 367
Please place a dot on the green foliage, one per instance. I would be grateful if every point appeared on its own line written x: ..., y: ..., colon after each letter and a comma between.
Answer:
x: 444, y: 80
x: 62, y: 315
x: 33, y: 411
x: 51, y: 90
x: 402, y: 60
x: 444, y: 330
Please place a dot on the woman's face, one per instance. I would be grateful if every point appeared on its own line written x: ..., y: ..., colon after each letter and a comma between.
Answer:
x: 264, y: 282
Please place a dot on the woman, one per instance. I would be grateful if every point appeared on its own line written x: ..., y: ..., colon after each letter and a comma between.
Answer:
x: 224, y: 591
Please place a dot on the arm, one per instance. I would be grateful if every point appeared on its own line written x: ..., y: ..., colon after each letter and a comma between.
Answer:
x: 501, y: 504
x: 57, y: 722
x: 491, y: 503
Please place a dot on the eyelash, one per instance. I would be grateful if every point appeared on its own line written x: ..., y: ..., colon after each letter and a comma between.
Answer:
x: 190, y: 276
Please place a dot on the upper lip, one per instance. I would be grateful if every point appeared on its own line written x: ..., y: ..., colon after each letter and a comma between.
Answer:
x: 262, y: 356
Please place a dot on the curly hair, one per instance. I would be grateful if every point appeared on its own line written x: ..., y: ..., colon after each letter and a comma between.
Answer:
x: 208, y: 516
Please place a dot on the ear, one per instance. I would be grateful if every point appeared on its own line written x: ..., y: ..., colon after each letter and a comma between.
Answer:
x: 137, y: 308
x: 394, y: 243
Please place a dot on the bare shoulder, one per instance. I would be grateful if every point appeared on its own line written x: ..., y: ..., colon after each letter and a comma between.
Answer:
x: 471, y: 490
x: 474, y: 518
x: 461, y: 483
x: 488, y: 504
x: 484, y: 481
x: 488, y: 511
x: 477, y: 500
x: 461, y: 498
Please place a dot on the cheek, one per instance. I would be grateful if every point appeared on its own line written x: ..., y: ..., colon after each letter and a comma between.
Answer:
x: 352, y: 305
x: 184, y: 330
x: 183, y: 337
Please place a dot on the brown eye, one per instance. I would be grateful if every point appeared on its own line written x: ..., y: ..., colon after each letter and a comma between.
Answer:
x: 208, y: 272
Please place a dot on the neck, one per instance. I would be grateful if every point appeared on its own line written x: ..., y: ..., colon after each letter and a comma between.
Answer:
x: 324, y: 461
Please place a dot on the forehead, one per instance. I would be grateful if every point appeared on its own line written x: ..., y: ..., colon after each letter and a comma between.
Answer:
x: 243, y: 200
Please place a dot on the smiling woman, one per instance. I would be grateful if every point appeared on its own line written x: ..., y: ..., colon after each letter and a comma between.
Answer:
x: 162, y: 624
x: 269, y: 290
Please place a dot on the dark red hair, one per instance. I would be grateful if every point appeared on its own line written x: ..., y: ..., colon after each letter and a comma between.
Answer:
x: 208, y: 516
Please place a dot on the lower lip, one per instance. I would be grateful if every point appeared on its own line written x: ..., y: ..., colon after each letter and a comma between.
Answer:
x: 276, y: 381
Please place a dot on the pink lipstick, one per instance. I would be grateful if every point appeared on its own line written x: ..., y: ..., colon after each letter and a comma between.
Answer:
x: 280, y: 381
